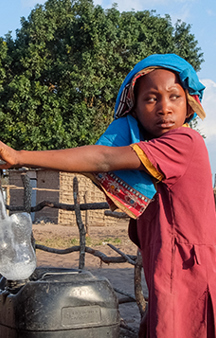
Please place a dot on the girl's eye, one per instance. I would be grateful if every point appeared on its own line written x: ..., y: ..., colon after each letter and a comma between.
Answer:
x: 174, y: 96
x: 151, y: 99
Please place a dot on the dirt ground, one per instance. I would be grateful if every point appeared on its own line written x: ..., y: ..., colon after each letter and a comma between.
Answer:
x: 120, y: 275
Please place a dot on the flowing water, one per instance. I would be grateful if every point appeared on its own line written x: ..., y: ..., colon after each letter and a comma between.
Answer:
x: 17, y: 256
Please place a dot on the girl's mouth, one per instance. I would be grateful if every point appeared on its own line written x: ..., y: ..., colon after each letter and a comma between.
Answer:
x: 165, y: 124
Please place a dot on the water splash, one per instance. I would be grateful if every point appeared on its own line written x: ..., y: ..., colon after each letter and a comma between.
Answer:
x: 17, y: 256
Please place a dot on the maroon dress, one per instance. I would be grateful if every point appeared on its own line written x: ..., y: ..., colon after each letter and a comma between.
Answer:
x: 177, y: 238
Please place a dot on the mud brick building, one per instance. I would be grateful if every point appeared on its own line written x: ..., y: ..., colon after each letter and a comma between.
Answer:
x: 57, y: 187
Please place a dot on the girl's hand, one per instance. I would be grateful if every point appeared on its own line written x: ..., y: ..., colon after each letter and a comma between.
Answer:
x: 8, y: 156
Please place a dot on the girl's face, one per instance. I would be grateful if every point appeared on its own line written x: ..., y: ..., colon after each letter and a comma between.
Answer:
x: 161, y: 103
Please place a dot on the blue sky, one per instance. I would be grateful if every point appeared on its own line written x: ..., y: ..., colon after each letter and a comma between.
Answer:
x: 201, y: 15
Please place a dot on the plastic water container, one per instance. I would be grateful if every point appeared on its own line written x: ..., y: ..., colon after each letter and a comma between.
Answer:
x: 59, y: 303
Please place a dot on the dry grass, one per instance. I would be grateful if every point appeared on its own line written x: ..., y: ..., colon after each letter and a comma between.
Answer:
x: 59, y: 242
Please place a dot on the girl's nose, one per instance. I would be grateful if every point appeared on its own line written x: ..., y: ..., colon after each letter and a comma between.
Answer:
x: 164, y: 107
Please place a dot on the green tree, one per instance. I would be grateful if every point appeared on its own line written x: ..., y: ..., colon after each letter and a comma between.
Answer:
x: 60, y: 76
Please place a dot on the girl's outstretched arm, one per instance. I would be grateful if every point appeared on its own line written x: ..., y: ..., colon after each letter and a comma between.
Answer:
x: 92, y: 158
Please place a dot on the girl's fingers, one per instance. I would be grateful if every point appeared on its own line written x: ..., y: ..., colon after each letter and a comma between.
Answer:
x: 7, y: 156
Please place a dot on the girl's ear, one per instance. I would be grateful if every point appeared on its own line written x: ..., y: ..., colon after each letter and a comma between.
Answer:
x: 189, y: 114
x: 133, y: 113
x: 189, y: 111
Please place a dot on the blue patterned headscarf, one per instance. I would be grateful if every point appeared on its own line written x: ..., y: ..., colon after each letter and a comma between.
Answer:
x: 187, y: 75
x: 132, y: 190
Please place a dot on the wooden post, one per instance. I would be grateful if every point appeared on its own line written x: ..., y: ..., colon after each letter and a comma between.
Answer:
x: 140, y: 300
x: 27, y: 192
x: 27, y: 200
x: 86, y: 214
x: 80, y: 224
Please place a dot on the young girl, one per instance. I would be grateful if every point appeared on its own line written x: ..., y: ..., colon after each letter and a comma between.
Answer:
x: 151, y: 165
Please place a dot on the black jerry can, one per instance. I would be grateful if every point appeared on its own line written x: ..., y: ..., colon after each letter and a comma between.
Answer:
x: 59, y: 303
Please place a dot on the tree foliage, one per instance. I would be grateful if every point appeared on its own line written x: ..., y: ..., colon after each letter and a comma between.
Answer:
x: 60, y: 76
